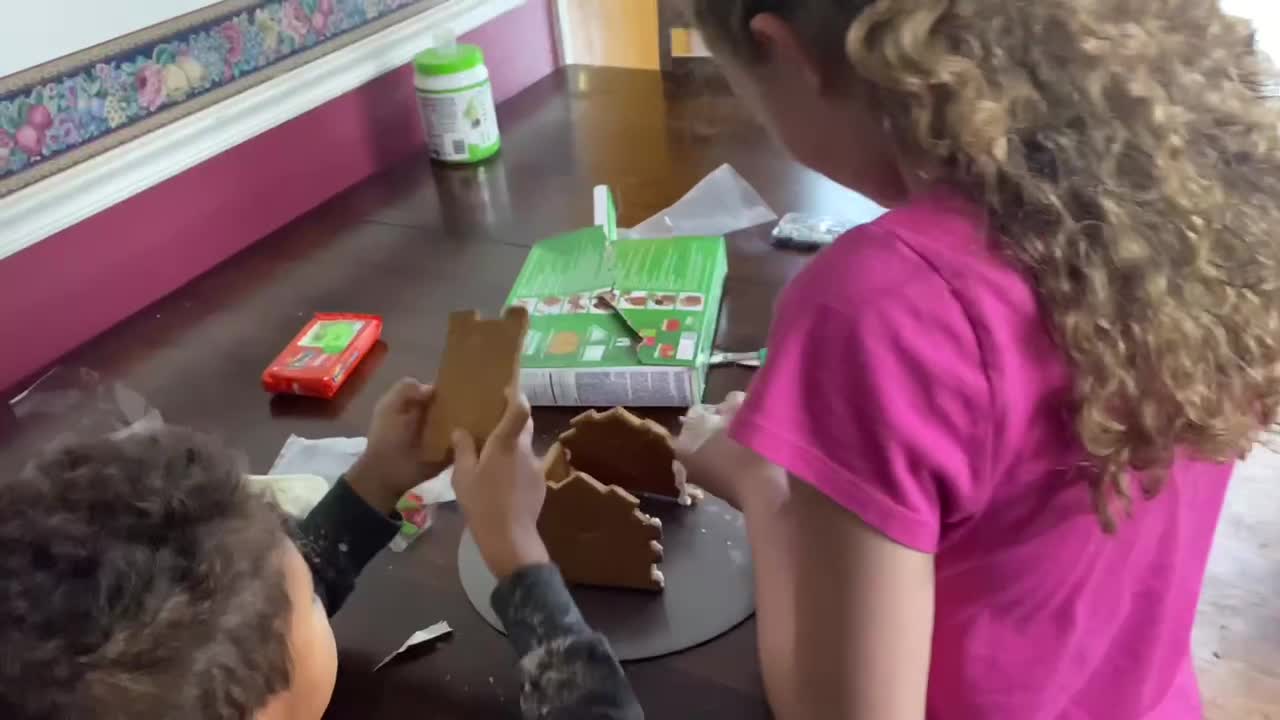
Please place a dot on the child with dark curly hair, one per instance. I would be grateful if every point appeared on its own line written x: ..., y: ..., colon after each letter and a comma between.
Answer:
x: 142, y: 578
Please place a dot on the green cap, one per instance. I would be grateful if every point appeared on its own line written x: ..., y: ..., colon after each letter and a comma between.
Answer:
x: 447, y: 61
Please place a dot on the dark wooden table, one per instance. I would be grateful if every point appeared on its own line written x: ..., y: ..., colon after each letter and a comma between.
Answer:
x: 414, y: 243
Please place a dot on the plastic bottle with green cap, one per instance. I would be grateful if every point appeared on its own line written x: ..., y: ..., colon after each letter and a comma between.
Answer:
x: 457, y: 103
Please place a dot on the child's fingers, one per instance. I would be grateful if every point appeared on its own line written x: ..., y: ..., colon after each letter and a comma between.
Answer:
x: 406, y: 394
x: 733, y: 401
x: 515, y: 418
x: 418, y: 406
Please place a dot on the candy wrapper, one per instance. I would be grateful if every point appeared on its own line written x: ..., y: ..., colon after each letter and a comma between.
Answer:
x: 417, y: 508
x: 415, y: 514
x: 439, y: 630
x: 809, y: 232
x: 321, y: 358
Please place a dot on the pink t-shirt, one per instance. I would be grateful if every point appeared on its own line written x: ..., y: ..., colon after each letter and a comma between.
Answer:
x: 912, y: 379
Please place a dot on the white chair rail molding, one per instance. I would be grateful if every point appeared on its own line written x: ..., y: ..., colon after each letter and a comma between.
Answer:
x: 369, y: 38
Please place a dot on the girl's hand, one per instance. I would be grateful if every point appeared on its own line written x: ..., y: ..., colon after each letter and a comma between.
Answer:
x: 704, y: 421
x: 501, y: 491
x: 391, y: 465
x: 717, y: 463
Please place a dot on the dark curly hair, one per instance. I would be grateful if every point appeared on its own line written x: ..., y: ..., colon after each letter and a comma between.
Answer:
x: 141, y: 579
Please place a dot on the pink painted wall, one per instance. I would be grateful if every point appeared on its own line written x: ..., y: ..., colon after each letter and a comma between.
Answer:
x: 80, y: 282
x: 519, y: 47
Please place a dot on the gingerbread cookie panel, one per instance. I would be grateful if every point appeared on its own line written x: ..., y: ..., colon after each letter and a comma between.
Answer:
x: 598, y: 536
x: 481, y: 361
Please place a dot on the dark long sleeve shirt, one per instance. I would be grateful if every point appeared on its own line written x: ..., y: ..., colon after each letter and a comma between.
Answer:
x: 568, y: 670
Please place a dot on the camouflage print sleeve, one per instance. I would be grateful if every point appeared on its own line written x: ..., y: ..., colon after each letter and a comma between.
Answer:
x: 338, y: 538
x: 568, y: 670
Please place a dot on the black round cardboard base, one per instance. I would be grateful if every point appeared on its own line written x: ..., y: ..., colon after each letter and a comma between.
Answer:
x: 709, y: 591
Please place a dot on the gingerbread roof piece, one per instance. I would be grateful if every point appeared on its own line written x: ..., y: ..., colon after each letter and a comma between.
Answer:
x: 618, y: 448
x: 598, y: 536
x: 481, y: 360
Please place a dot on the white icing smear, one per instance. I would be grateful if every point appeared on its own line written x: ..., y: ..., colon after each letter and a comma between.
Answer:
x: 686, y: 498
x: 656, y: 575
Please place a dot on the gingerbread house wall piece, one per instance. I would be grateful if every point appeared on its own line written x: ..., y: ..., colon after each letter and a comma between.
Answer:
x: 598, y: 536
x: 555, y: 466
x: 618, y: 448
x: 481, y: 360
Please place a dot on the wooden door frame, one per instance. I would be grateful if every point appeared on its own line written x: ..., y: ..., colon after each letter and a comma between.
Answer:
x: 564, y: 29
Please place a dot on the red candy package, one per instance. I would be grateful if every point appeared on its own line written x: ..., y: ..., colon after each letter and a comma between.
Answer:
x: 322, y: 356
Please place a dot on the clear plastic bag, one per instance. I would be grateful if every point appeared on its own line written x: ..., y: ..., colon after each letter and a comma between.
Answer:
x: 719, y: 204
x: 68, y: 403
x: 78, y: 400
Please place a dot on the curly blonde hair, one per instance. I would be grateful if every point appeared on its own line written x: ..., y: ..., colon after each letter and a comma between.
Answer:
x: 1127, y: 154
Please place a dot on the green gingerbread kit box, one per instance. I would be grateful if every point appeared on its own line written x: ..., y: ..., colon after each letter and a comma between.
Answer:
x: 619, y: 321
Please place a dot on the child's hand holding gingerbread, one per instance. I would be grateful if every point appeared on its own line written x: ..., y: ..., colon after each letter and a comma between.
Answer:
x: 501, y: 490
x: 391, y: 464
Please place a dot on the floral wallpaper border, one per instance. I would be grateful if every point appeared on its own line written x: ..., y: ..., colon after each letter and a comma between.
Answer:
x: 57, y: 114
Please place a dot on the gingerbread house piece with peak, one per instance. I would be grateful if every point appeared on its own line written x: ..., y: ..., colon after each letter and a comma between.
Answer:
x: 596, y: 533
x: 618, y: 448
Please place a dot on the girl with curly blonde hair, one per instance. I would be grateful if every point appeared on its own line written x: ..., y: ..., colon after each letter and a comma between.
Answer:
x: 982, y: 469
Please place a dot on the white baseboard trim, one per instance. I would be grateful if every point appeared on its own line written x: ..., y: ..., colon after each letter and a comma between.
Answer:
x: 56, y: 203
